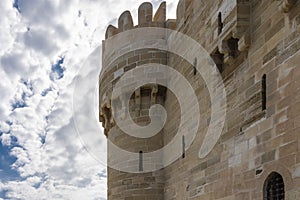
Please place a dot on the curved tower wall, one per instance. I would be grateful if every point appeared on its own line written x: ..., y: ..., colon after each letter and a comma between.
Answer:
x: 124, y: 185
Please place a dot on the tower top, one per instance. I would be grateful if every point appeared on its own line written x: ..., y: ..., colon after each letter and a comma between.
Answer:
x: 145, y: 19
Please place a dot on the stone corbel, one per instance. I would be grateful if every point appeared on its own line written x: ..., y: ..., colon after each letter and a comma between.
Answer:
x: 225, y: 49
x: 244, y: 39
x: 106, y: 117
x: 244, y: 43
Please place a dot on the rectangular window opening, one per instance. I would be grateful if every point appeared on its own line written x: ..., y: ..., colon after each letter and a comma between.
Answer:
x: 183, y: 147
x: 141, y: 161
x: 264, y: 92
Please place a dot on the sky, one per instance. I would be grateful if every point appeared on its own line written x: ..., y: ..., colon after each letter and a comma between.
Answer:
x: 50, y: 58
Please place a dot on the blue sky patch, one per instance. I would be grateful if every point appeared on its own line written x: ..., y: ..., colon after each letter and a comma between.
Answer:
x: 16, y: 5
x: 3, y: 194
x: 57, y: 71
x: 19, y: 103
x: 6, y: 160
x: 43, y: 139
x: 46, y: 91
x: 28, y: 84
x: 8, y: 123
x: 102, y: 174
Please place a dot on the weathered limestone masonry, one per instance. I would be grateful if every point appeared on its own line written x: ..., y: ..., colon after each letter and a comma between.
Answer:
x: 126, y: 185
x: 256, y: 47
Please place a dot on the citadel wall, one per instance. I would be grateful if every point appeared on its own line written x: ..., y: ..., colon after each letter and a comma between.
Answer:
x: 255, y: 45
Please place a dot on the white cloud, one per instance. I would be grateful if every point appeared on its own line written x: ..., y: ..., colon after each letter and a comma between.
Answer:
x: 40, y: 40
x: 51, y: 156
x: 5, y: 139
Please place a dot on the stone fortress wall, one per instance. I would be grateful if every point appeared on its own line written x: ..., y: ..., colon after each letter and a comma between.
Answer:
x: 255, y: 45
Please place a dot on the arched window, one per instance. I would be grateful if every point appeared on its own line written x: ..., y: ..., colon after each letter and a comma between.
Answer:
x: 274, y: 187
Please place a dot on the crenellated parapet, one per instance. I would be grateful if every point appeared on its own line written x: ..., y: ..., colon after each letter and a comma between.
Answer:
x: 145, y: 19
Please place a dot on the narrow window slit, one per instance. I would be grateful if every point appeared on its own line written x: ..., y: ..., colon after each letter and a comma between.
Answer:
x: 264, y: 92
x: 183, y: 147
x: 141, y: 161
x: 195, y: 66
x: 220, y: 24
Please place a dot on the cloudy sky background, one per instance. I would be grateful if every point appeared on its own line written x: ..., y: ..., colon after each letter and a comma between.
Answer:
x: 48, y: 51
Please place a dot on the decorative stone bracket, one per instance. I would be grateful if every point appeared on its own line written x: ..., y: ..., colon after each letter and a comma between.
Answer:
x: 231, y: 35
x: 105, y: 116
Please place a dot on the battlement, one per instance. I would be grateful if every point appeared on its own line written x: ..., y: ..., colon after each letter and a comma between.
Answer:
x: 223, y: 28
x: 145, y: 19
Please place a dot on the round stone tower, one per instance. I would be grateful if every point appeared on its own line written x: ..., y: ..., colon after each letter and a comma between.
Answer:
x: 128, y: 179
